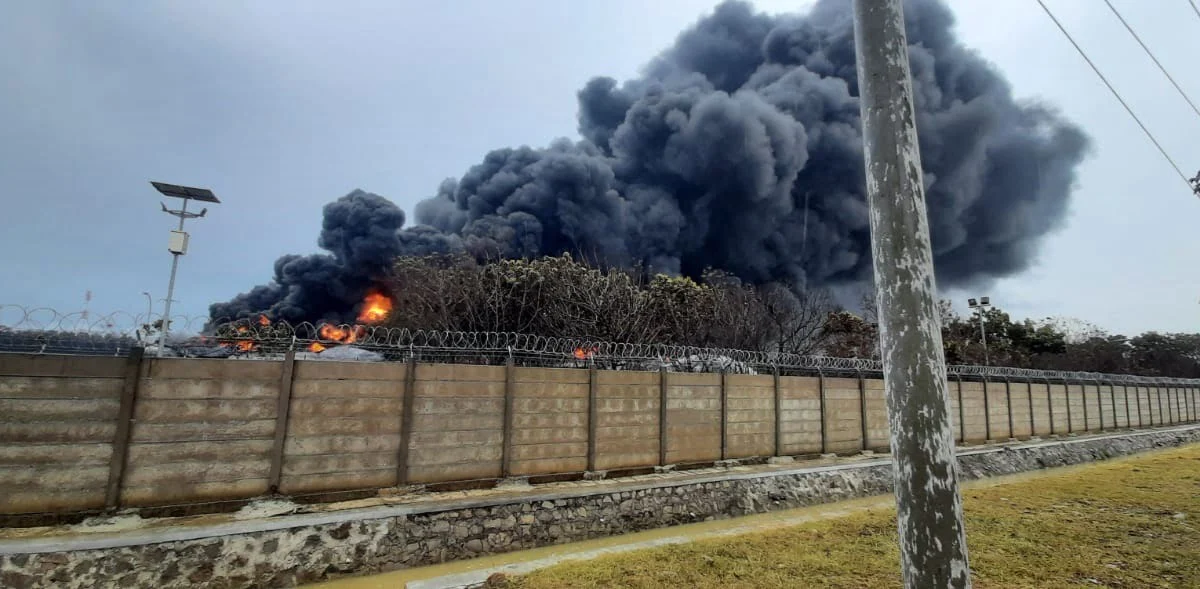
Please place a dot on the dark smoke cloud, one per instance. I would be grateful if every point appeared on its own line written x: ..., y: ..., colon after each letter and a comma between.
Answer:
x: 740, y: 148
x: 361, y: 231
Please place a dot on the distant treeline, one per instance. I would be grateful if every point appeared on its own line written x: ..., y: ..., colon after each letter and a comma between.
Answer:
x: 564, y: 297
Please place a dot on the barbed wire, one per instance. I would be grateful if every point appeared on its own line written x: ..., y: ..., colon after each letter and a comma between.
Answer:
x: 398, y: 343
x: 48, y: 331
x: 43, y: 330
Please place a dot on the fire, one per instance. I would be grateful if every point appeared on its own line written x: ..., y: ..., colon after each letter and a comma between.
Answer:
x: 262, y: 320
x: 316, y: 347
x: 242, y: 329
x: 337, y: 334
x: 584, y: 353
x: 375, y: 308
x: 245, y: 345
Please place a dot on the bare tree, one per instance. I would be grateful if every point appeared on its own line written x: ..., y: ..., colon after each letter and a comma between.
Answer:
x: 797, y: 320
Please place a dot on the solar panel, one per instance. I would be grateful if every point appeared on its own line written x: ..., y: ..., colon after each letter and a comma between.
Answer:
x: 201, y: 194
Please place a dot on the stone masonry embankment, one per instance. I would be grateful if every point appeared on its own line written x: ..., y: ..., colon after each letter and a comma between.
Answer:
x: 293, y: 549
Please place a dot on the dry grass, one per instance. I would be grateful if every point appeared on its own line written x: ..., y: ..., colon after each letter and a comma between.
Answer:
x: 1128, y: 523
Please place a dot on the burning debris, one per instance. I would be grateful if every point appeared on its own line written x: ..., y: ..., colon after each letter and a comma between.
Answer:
x: 375, y: 308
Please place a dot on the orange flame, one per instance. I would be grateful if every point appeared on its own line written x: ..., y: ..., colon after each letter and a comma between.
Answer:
x: 584, y: 353
x: 242, y: 329
x: 262, y: 320
x: 316, y: 347
x: 375, y: 308
x: 341, y: 335
x: 245, y: 345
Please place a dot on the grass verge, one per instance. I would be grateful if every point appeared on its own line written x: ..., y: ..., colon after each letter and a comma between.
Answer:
x: 1133, y: 522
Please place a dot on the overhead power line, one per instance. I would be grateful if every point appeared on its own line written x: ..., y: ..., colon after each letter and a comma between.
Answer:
x: 1194, y: 8
x: 1116, y: 94
x: 1152, y: 58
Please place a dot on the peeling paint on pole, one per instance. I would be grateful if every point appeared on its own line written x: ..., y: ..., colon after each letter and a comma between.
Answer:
x: 933, y: 545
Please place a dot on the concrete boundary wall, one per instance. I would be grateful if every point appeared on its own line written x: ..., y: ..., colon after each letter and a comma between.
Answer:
x: 293, y: 549
x: 85, y: 434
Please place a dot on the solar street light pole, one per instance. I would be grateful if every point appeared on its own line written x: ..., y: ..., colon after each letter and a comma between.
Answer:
x: 933, y: 547
x: 171, y: 284
x: 179, y: 240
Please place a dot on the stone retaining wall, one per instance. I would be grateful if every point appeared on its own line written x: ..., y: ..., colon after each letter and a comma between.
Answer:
x: 294, y: 549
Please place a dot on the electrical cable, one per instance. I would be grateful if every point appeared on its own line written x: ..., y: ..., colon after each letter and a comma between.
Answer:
x: 1153, y: 58
x: 1116, y: 94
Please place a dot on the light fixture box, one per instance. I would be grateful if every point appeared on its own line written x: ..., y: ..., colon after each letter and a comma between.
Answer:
x: 178, y: 243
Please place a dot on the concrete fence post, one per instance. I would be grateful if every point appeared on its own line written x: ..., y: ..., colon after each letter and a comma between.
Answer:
x: 662, y: 415
x: 1176, y: 404
x: 1181, y: 404
x: 1165, y: 396
x: 283, y: 407
x: 823, y: 417
x: 1100, y: 403
x: 507, y: 451
x: 987, y: 412
x: 962, y: 414
x: 593, y: 418
x: 1149, y: 407
x: 862, y: 408
x: 1186, y: 393
x: 1029, y: 394
x: 1194, y: 391
x: 1190, y: 403
x: 1012, y: 434
x: 1067, y: 395
x: 1158, y: 398
x: 1170, y: 419
x: 724, y: 414
x: 124, y: 431
x: 1137, y: 398
x: 1050, y: 404
x: 1173, y: 398
x: 407, y: 409
x: 778, y: 412
x: 1186, y: 398
x: 1191, y: 391
x: 1083, y: 391
x: 1112, y: 402
x: 1128, y: 411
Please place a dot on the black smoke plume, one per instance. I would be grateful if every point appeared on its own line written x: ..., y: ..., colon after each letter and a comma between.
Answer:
x: 739, y: 148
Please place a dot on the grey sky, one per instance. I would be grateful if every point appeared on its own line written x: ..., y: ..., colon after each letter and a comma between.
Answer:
x: 282, y: 107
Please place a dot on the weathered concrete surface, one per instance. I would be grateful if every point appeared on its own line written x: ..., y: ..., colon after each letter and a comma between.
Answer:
x: 293, y: 549
x: 205, y: 430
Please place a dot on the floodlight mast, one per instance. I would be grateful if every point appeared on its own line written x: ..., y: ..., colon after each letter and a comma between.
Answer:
x: 179, y: 240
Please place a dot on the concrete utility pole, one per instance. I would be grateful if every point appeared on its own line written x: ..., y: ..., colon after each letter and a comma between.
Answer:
x: 933, y: 541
